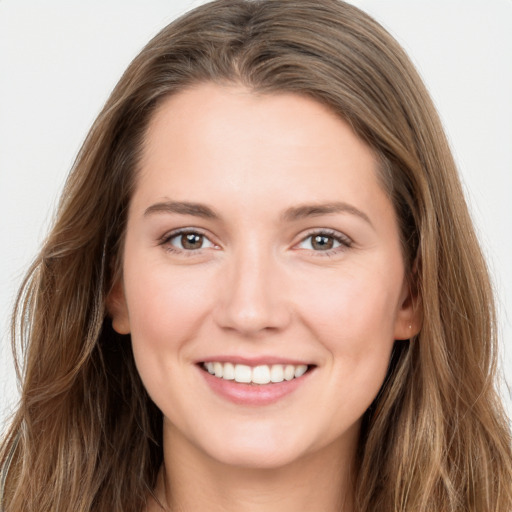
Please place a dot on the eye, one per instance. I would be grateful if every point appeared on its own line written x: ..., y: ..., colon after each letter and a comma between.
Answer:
x: 325, y: 241
x: 187, y: 241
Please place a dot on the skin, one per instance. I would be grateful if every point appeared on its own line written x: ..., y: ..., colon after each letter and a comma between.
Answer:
x: 258, y: 287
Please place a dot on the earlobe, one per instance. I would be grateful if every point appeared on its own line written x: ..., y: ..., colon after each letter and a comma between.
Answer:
x: 118, y: 310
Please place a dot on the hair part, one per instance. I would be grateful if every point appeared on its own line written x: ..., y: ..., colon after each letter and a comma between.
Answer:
x: 86, y: 433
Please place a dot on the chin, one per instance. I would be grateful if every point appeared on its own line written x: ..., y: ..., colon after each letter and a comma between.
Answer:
x: 251, y: 451
x: 256, y: 458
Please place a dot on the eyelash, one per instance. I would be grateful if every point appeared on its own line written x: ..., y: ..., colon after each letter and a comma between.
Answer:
x: 165, y: 241
x: 344, y: 241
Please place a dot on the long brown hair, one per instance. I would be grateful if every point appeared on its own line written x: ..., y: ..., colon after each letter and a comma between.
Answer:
x: 86, y: 436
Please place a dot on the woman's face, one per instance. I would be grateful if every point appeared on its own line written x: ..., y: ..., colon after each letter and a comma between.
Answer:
x: 260, y: 245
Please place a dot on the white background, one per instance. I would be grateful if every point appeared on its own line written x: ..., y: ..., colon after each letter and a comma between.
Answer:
x: 60, y: 59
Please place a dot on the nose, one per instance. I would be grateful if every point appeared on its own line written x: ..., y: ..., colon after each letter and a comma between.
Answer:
x: 253, y: 298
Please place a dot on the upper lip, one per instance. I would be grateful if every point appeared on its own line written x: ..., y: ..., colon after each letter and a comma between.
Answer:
x: 254, y: 361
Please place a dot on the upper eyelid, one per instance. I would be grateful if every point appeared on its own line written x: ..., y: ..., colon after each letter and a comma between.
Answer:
x: 180, y: 231
x: 342, y: 237
x: 326, y: 231
x: 165, y: 241
x: 345, y: 243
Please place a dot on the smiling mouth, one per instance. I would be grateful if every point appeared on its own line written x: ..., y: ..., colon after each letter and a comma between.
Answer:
x: 262, y: 374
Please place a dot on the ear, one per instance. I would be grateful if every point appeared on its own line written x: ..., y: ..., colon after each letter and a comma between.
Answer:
x: 409, y: 316
x: 118, y: 309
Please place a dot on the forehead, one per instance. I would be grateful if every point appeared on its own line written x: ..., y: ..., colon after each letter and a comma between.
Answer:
x: 206, y: 131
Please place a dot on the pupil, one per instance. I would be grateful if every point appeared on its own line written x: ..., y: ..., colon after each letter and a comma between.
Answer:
x: 191, y: 240
x: 322, y: 242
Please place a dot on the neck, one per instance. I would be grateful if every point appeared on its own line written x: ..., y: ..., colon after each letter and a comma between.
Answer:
x: 190, y: 481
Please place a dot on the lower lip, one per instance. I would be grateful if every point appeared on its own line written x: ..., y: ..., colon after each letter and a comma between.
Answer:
x: 253, y: 394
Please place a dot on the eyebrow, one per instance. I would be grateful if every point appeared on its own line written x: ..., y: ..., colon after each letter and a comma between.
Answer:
x: 291, y: 214
x: 183, y: 208
x: 316, y: 210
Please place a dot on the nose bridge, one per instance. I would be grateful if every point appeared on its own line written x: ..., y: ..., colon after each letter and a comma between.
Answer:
x: 254, y: 298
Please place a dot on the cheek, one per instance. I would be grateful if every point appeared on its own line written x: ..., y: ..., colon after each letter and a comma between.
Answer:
x: 166, y: 307
x: 359, y: 305
x: 163, y: 301
x: 353, y: 316
x: 353, y: 319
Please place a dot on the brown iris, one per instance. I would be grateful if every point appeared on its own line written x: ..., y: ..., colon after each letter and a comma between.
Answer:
x: 191, y: 241
x: 322, y: 242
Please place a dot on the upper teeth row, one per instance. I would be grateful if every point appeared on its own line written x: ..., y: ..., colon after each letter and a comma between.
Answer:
x: 258, y: 374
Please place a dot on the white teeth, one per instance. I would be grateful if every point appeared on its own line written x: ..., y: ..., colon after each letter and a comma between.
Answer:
x: 277, y: 373
x: 243, y: 373
x: 228, y: 372
x: 289, y: 372
x: 299, y: 370
x: 218, y: 367
x: 262, y: 374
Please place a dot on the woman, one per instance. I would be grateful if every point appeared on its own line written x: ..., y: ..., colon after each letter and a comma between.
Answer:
x: 263, y: 290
